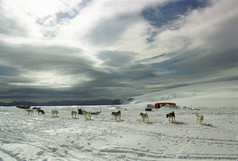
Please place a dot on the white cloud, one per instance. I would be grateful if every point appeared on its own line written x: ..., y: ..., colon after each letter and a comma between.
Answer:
x: 207, y: 30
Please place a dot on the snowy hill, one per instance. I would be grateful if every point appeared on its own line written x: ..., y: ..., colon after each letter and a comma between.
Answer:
x: 220, y: 94
x: 50, y: 138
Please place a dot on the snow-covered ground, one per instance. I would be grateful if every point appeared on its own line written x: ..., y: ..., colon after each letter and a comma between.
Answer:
x: 43, y: 137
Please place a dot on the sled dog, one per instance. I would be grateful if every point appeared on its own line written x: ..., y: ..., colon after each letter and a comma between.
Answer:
x: 144, y: 116
x: 55, y: 113
x: 40, y: 111
x: 117, y: 114
x: 87, y: 114
x: 74, y: 114
x: 29, y: 111
x: 171, y: 115
x: 199, y: 118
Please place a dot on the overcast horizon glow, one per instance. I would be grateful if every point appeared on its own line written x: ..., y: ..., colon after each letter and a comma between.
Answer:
x: 87, y: 49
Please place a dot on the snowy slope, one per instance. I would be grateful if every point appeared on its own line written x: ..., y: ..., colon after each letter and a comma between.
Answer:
x: 43, y: 137
x: 219, y: 94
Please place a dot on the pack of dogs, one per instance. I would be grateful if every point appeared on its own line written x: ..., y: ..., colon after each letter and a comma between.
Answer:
x: 117, y: 115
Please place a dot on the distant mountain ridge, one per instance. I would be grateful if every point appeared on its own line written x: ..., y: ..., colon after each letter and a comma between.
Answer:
x: 63, y: 103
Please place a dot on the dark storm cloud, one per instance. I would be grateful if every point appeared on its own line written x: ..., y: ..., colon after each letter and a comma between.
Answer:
x: 123, y: 64
x: 8, y: 71
x: 18, y: 60
x: 116, y: 58
x: 61, y: 59
x: 118, y: 73
x: 208, y: 63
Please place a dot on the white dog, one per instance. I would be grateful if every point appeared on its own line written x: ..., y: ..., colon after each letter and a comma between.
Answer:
x: 74, y: 114
x: 55, y: 113
x: 117, y: 114
x: 144, y: 116
x: 87, y: 114
x: 199, y: 119
x: 29, y: 111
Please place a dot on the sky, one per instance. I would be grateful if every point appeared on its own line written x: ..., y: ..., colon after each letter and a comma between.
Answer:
x: 109, y: 49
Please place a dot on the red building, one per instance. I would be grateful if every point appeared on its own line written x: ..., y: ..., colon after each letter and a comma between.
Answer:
x: 161, y: 104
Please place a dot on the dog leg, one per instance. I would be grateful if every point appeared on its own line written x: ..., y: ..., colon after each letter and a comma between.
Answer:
x: 143, y: 119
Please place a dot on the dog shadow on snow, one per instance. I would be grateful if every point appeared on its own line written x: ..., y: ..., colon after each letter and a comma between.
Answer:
x: 208, y: 125
x: 177, y: 123
x: 54, y: 116
x: 120, y: 120
x: 88, y: 120
x: 149, y: 122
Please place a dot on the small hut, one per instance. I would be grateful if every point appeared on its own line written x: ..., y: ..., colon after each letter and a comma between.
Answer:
x: 161, y: 104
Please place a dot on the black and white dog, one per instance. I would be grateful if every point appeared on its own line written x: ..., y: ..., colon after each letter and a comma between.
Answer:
x: 145, y: 116
x: 171, y: 115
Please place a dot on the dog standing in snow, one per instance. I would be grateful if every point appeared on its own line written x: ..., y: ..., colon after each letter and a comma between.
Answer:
x: 40, y: 111
x: 29, y: 111
x: 199, y: 118
x: 144, y: 116
x: 117, y: 114
x: 87, y: 114
x: 171, y: 115
x: 74, y: 114
x: 55, y: 113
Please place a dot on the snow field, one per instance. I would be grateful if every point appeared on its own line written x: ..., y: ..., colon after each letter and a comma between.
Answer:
x: 43, y: 137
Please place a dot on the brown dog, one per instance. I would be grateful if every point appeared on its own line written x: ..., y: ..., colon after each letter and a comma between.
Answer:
x: 55, y: 113
x: 40, y: 112
x: 199, y: 119
x: 30, y: 111
x: 74, y: 114
x: 117, y: 114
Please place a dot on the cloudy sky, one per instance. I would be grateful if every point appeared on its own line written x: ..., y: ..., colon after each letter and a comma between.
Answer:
x: 95, y: 49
